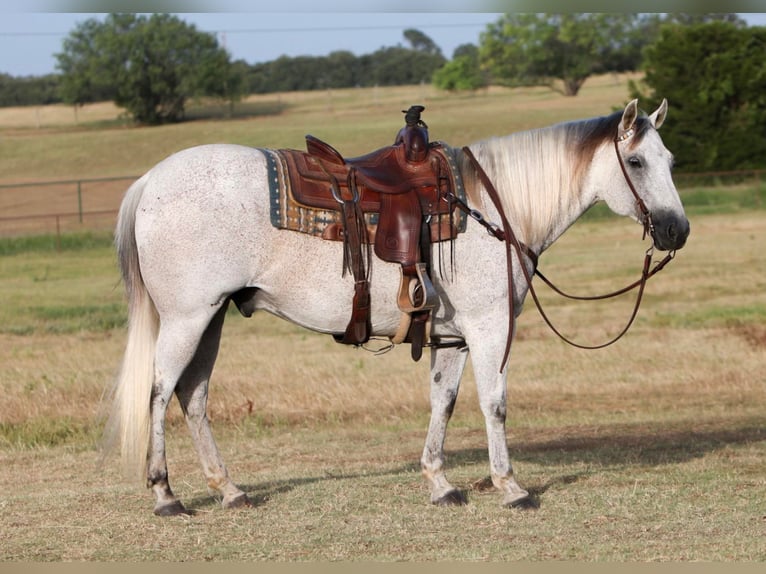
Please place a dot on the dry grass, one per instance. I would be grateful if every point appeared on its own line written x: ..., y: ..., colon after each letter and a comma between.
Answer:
x: 56, y: 116
x: 61, y: 304
x: 353, y: 119
x: 650, y: 450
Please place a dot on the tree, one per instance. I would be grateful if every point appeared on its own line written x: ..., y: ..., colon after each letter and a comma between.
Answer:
x: 463, y: 72
x: 341, y: 70
x: 397, y: 65
x: 420, y: 42
x: 538, y: 49
x: 151, y: 66
x: 81, y: 82
x: 385, y: 67
x: 691, y: 18
x: 714, y: 78
x: 29, y: 90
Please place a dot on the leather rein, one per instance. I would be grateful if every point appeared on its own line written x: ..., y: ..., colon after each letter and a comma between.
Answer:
x: 509, y: 238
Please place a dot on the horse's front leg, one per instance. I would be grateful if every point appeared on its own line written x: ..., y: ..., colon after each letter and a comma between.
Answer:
x: 446, y: 370
x: 491, y: 386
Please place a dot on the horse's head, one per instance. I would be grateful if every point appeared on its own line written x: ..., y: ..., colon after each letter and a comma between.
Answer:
x: 642, y: 187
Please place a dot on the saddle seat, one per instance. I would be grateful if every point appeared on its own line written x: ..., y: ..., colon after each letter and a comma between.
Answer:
x: 386, y: 170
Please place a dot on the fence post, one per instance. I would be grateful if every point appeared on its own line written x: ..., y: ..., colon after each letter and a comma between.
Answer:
x: 79, y: 199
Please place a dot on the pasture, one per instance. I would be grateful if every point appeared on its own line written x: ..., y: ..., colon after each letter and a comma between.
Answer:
x: 650, y: 450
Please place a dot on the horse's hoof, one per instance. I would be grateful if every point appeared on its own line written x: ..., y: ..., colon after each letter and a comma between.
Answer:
x: 452, y: 498
x: 173, y: 509
x: 239, y: 501
x: 525, y: 503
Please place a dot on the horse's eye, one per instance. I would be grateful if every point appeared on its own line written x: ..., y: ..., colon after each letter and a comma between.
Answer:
x: 633, y: 161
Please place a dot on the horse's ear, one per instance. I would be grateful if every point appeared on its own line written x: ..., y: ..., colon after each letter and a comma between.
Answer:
x: 659, y: 115
x: 628, y: 119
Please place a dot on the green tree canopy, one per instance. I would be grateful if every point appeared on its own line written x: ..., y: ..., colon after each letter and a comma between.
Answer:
x: 540, y: 49
x: 714, y: 77
x: 30, y: 90
x: 420, y: 42
x: 463, y: 72
x: 151, y: 66
x: 387, y: 66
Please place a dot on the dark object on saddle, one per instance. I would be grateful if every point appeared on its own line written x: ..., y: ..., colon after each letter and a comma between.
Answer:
x: 414, y: 135
x: 405, y: 185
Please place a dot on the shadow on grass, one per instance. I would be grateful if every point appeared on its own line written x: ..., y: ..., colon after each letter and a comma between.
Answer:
x: 617, y: 447
x: 260, y: 494
x: 638, y: 444
x: 205, y: 111
x: 621, y: 445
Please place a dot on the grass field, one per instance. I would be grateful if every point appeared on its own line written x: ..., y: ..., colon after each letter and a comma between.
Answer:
x: 650, y: 450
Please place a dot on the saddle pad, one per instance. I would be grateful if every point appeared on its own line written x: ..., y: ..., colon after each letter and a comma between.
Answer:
x: 287, y: 213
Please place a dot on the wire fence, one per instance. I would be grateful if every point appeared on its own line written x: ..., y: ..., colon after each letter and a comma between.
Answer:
x: 58, y: 207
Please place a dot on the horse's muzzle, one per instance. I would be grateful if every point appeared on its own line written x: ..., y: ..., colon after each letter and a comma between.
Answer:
x: 670, y: 231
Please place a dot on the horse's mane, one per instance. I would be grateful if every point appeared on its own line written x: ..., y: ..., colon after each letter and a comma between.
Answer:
x: 539, y: 173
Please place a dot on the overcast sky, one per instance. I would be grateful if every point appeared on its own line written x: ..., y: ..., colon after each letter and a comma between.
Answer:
x: 28, y: 41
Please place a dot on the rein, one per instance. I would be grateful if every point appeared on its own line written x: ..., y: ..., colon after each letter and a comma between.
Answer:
x: 509, y: 238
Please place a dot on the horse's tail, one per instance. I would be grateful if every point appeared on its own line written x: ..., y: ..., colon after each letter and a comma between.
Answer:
x: 128, y: 427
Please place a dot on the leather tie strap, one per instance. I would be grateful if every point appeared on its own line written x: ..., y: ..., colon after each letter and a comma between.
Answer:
x: 359, y: 326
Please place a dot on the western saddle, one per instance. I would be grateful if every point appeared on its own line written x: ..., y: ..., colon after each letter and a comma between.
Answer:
x: 404, y: 190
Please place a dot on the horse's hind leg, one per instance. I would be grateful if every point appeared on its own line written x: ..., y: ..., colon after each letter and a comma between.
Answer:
x: 192, y: 392
x: 177, y: 344
x: 447, y: 366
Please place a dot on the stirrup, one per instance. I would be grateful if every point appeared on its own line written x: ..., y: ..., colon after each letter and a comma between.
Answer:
x: 404, y: 329
x: 416, y: 293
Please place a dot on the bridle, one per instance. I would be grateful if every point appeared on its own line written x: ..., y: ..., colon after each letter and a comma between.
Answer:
x: 645, y: 213
x: 512, y: 243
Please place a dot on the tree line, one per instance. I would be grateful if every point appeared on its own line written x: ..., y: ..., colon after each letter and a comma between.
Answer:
x: 152, y: 65
x: 710, y: 66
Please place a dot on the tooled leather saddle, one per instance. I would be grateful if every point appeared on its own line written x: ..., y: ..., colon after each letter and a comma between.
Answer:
x: 394, y: 199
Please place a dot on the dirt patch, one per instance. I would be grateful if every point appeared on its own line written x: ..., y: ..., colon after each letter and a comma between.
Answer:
x: 754, y: 335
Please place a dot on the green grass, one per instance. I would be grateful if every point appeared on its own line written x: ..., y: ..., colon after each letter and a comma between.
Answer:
x: 50, y: 243
x: 722, y: 199
x: 46, y: 290
x: 714, y: 316
x: 95, y: 318
x: 46, y: 432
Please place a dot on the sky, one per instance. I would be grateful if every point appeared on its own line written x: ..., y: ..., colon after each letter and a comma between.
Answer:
x: 30, y: 40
